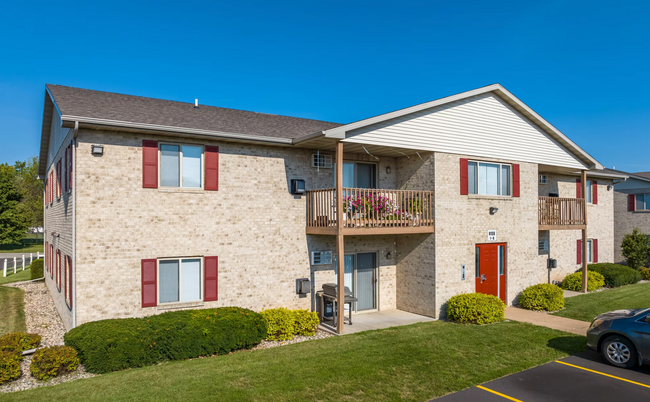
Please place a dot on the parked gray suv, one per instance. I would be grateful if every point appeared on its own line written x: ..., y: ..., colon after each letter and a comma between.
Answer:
x: 622, y: 337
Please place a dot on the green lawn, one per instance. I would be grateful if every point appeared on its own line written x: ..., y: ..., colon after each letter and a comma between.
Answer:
x: 20, y: 275
x: 415, y: 362
x: 27, y: 247
x: 587, y: 307
x: 13, y: 313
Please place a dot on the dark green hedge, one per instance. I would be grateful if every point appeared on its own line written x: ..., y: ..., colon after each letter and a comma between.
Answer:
x: 111, y: 345
x: 616, y: 275
x: 37, y: 269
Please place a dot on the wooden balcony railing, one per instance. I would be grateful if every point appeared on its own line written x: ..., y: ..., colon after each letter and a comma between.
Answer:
x: 371, y: 209
x: 561, y: 213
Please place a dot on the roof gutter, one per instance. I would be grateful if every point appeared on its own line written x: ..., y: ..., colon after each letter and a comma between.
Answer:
x: 94, y: 122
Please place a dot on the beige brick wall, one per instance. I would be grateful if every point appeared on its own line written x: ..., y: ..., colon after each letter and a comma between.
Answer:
x: 253, y: 223
x: 626, y: 221
x: 58, y: 218
x: 600, y: 225
x: 462, y: 221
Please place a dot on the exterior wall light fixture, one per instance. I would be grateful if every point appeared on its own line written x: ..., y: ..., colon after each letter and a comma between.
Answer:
x: 388, y: 169
x: 493, y: 210
x: 97, y: 150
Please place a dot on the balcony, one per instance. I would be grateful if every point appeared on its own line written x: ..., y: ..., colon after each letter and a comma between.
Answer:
x: 561, y: 213
x: 370, y: 211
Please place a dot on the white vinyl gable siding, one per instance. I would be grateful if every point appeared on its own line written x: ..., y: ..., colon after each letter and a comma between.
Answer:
x: 481, y: 126
x: 57, y: 135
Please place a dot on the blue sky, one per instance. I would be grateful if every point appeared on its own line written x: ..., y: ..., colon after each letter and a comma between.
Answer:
x: 584, y: 66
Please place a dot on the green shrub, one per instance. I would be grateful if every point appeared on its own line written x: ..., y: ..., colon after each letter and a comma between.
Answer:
x: 280, y: 323
x: 19, y: 342
x: 542, y: 297
x: 53, y: 361
x: 635, y: 249
x: 475, y: 308
x: 574, y: 281
x: 9, y: 366
x: 111, y: 345
x: 305, y: 322
x: 616, y: 275
x: 645, y: 273
x: 36, y: 269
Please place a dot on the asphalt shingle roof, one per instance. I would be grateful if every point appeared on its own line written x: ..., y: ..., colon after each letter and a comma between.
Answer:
x: 136, y: 109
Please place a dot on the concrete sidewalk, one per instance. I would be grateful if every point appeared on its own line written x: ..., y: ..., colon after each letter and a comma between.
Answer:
x: 547, y: 320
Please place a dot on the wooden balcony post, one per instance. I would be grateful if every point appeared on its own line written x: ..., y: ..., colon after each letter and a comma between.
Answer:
x: 585, y: 256
x: 340, y: 243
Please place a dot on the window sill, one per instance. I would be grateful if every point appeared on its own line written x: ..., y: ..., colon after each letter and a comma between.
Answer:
x: 641, y: 212
x: 173, y: 306
x: 490, y: 197
x: 181, y: 190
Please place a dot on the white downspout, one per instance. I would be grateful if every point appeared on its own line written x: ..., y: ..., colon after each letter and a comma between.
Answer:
x: 74, y: 225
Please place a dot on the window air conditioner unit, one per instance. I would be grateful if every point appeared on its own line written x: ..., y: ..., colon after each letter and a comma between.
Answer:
x: 543, y: 179
x: 321, y: 161
x: 321, y: 258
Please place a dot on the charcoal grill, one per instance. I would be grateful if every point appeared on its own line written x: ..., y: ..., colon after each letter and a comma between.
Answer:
x: 329, y: 297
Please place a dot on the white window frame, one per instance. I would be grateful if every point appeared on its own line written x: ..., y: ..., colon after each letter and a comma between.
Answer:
x: 500, y: 181
x: 590, y: 195
x: 180, y: 279
x: 590, y: 251
x: 355, y: 163
x: 180, y: 163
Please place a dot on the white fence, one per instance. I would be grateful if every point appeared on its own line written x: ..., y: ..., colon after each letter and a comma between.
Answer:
x: 22, y: 262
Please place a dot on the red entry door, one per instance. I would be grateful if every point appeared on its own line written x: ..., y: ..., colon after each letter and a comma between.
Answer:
x: 491, y: 269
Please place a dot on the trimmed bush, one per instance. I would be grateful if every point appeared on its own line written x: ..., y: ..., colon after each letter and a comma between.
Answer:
x: 645, y: 273
x: 542, y: 297
x: 281, y: 324
x: 9, y: 366
x: 574, y: 281
x: 305, y: 322
x: 475, y: 308
x: 53, y: 361
x: 36, y: 269
x: 616, y: 275
x: 19, y: 342
x: 118, y: 344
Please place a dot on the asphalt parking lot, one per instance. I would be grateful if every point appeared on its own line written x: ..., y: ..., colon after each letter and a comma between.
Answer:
x: 582, y: 377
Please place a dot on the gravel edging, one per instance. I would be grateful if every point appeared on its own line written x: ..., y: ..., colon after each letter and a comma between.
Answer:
x: 297, y: 339
x: 41, y: 317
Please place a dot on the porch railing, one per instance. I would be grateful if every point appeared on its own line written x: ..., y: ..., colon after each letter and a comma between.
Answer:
x: 554, y: 211
x: 370, y: 208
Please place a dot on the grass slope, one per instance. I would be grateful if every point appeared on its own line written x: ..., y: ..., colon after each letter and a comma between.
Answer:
x: 13, y: 313
x: 414, y: 363
x: 21, y: 248
x: 586, y: 307
x: 20, y: 275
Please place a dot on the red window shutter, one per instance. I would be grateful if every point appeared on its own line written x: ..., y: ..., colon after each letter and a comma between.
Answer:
x: 47, y: 260
x: 464, y: 177
x: 211, y: 279
x: 65, y: 278
x: 65, y: 170
x: 595, y: 242
x: 68, y: 276
x: 594, y: 190
x: 149, y: 283
x: 515, y: 180
x: 579, y: 252
x: 578, y: 188
x: 58, y: 179
x: 211, y: 168
x: 149, y: 164
x: 51, y: 262
x: 58, y: 269
x: 71, y: 165
x: 631, y: 202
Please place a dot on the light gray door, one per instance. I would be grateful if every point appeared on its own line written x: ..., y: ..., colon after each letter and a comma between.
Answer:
x: 365, y: 281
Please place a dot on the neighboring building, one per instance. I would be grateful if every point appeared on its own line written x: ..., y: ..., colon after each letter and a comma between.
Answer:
x: 154, y: 205
x: 631, y: 207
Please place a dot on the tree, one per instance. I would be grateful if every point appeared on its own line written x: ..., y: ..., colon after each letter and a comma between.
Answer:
x: 636, y: 249
x: 31, y: 189
x: 13, y: 221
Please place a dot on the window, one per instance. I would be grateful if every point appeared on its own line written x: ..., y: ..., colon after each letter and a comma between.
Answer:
x: 359, y: 175
x: 642, y: 202
x: 502, y: 260
x: 478, y: 262
x: 589, y: 193
x: 590, y: 251
x: 179, y: 280
x: 321, y: 161
x: 180, y: 166
x: 543, y: 245
x: 489, y: 178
